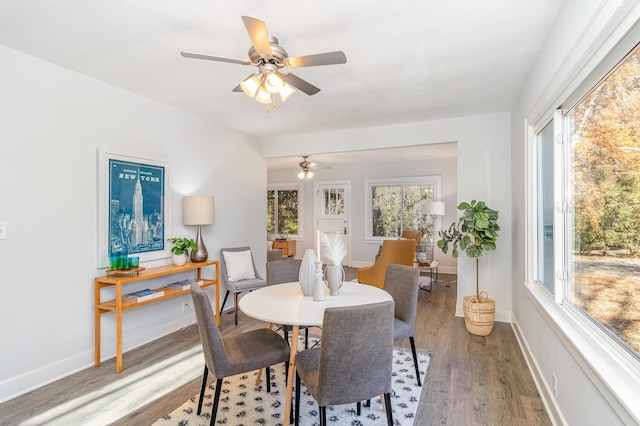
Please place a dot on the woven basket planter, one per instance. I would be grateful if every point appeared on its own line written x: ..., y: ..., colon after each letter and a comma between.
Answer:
x: 479, y: 315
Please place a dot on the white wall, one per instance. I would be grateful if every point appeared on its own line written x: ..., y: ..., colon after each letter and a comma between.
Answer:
x: 484, y: 173
x: 52, y: 122
x: 583, y: 32
x: 364, y: 253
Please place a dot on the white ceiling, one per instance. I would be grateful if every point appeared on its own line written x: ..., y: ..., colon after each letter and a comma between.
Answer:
x: 407, y: 61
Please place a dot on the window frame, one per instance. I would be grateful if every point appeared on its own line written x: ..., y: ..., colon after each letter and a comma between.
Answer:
x: 289, y: 187
x: 369, y: 184
x: 613, y: 369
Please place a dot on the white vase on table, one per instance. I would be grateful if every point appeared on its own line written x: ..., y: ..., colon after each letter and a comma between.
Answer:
x: 334, y: 277
x: 306, y: 276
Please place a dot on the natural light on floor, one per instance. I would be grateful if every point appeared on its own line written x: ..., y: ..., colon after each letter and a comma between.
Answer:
x: 116, y: 400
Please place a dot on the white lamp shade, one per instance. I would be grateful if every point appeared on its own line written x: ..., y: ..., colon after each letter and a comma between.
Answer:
x: 434, y: 208
x: 273, y: 83
x: 250, y: 85
x: 286, y: 91
x: 263, y: 96
x: 198, y: 210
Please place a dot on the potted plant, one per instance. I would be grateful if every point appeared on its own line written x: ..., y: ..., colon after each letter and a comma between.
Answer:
x: 474, y: 233
x: 180, y: 249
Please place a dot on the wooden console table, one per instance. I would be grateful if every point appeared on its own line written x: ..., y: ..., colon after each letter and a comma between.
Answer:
x: 288, y: 247
x: 118, y: 305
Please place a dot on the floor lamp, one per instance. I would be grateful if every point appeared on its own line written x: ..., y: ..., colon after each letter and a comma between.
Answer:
x: 198, y: 210
x: 433, y: 209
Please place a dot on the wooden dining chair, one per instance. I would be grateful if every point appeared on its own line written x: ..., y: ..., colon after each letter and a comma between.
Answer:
x: 235, y: 354
x: 353, y: 363
x: 403, y: 284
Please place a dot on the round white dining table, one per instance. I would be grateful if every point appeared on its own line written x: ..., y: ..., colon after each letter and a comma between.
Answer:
x: 285, y: 304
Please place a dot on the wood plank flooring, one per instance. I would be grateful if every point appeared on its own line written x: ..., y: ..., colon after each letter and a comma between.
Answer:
x: 471, y: 380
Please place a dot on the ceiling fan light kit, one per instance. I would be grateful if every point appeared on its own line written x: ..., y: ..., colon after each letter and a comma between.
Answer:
x: 270, y: 58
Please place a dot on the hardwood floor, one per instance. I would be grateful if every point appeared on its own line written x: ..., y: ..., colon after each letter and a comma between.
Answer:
x: 471, y: 380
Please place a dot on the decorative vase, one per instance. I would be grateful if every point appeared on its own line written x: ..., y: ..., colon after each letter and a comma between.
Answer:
x: 179, y: 259
x: 334, y: 277
x: 306, y: 276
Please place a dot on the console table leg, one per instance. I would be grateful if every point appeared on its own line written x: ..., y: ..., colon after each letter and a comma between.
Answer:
x: 119, y: 328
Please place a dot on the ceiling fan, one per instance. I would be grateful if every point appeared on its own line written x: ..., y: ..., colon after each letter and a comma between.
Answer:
x: 305, y: 168
x: 271, y: 59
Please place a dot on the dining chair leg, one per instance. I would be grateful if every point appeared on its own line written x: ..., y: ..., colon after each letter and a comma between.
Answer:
x: 387, y: 402
x: 358, y: 408
x: 297, y: 401
x: 224, y: 301
x: 267, y: 377
x: 216, y: 399
x: 415, y: 359
x: 202, y: 388
x: 235, y: 307
x: 306, y: 338
x: 323, y: 416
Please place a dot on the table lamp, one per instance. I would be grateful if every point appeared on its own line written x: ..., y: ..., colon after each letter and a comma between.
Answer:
x: 198, y: 210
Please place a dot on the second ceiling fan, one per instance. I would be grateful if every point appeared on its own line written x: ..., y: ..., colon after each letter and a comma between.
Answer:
x: 271, y: 59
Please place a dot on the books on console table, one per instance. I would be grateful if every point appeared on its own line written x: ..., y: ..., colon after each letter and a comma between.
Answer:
x: 183, y: 285
x: 142, y: 295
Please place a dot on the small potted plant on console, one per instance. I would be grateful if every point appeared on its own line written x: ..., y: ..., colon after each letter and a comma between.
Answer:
x: 180, y: 249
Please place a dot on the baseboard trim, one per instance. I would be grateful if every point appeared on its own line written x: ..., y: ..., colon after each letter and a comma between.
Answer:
x: 546, y: 394
x: 16, y: 386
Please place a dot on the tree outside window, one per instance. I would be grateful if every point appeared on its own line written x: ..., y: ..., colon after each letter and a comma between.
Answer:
x: 283, y: 211
x: 398, y: 204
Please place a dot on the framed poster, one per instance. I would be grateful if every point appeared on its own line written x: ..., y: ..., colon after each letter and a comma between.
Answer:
x: 133, y: 206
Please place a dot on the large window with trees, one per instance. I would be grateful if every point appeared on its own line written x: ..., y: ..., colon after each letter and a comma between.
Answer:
x: 594, y: 271
x: 394, y: 205
x: 284, y: 210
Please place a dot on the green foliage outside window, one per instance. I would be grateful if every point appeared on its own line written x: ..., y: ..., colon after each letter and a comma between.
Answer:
x: 399, y: 207
x: 282, y: 211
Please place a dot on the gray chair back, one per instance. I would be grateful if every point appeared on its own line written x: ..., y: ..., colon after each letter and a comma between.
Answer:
x: 283, y: 271
x: 356, y: 354
x: 403, y: 284
x: 215, y: 356
x: 233, y: 286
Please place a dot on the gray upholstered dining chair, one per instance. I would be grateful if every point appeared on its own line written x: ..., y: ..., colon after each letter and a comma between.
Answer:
x: 353, y: 363
x: 403, y: 284
x: 238, y: 274
x: 236, y: 354
x: 286, y: 271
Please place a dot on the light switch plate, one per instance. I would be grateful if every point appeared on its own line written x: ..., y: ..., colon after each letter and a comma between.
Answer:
x: 3, y: 230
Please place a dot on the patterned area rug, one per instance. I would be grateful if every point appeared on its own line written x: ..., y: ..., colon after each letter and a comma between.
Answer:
x: 242, y: 403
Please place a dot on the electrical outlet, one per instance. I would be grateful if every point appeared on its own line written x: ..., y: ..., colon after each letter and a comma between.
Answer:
x: 186, y: 307
x: 555, y: 384
x: 3, y: 230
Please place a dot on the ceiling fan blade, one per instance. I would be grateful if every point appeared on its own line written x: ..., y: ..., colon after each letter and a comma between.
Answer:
x: 329, y: 58
x: 237, y: 89
x: 300, y: 84
x: 215, y: 58
x: 257, y: 30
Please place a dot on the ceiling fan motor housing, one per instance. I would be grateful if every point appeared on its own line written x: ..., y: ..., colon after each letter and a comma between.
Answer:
x: 277, y: 58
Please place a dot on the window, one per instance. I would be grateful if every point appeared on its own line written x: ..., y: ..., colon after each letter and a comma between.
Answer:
x: 597, y: 268
x: 394, y: 205
x: 284, y: 215
x: 544, y: 236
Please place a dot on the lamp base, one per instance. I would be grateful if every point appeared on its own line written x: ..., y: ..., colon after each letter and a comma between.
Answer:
x: 200, y: 253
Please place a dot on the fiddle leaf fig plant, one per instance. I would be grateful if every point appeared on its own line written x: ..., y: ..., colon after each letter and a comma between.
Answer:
x: 474, y: 233
x: 181, y: 245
